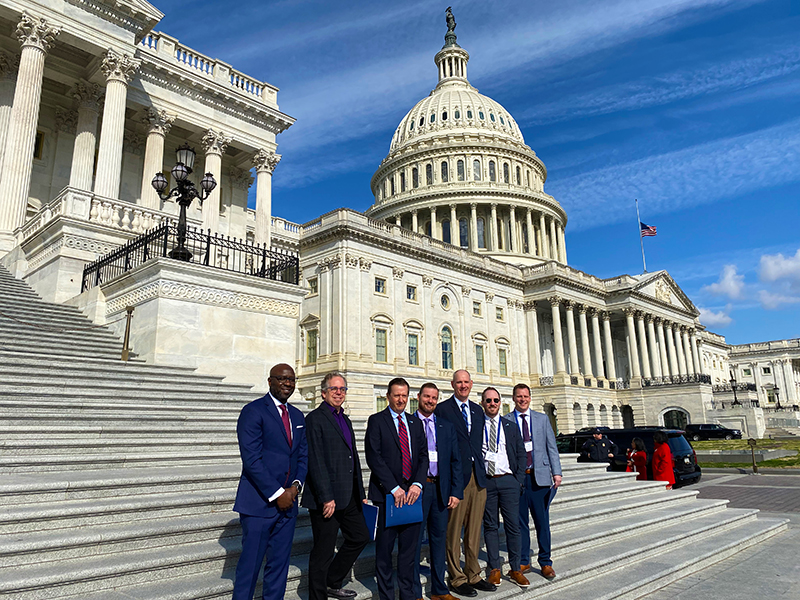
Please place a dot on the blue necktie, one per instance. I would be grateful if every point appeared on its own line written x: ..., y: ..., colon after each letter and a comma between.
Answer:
x: 464, y: 413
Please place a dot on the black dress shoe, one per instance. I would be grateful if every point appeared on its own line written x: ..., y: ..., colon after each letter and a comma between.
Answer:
x: 464, y: 589
x: 484, y: 586
x: 341, y: 593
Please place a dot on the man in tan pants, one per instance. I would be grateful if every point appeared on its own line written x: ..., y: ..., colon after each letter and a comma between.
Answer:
x: 467, y: 419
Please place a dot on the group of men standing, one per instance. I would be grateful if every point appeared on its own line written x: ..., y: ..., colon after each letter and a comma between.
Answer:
x: 464, y: 462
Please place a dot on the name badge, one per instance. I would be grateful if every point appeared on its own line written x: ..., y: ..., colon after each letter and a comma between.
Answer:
x: 528, y: 446
x: 433, y: 456
x: 491, y: 457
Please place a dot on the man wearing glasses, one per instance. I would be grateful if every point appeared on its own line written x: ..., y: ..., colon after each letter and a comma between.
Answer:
x: 334, y: 493
x: 272, y: 443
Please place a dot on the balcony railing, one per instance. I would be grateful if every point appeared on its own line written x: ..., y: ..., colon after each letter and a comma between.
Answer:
x: 740, y: 387
x: 676, y: 380
x: 216, y: 251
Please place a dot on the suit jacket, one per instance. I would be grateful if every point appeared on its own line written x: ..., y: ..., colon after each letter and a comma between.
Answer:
x: 469, y: 442
x: 546, y: 462
x: 450, y: 471
x: 384, y: 458
x: 334, y: 471
x: 515, y: 449
x: 268, y: 462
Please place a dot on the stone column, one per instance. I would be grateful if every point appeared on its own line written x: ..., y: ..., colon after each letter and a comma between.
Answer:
x: 662, y: 347
x: 698, y: 363
x: 558, y: 340
x: 512, y: 229
x: 611, y: 368
x: 414, y: 221
x: 569, y: 305
x: 553, y: 239
x: 673, y: 355
x: 88, y: 97
x: 433, y: 223
x: 687, y: 351
x: 494, y: 227
x: 8, y: 80
x: 36, y: 37
x: 676, y: 331
x: 598, y: 344
x: 531, y: 233
x: 632, y: 346
x: 265, y: 162
x: 757, y: 380
x: 473, y: 226
x: 544, y: 248
x: 454, y: 233
x: 398, y: 220
x: 654, y: 350
x: 643, y: 343
x: 563, y: 244
x: 119, y: 69
x: 158, y: 125
x: 788, y: 379
x: 534, y: 353
x: 585, y: 348
x: 214, y: 143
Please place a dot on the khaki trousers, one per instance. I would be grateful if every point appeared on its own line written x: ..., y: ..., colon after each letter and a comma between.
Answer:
x: 468, y: 515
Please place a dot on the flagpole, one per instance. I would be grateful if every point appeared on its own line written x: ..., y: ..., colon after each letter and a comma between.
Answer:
x: 641, y: 241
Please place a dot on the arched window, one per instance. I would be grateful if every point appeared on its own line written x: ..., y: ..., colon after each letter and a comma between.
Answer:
x: 411, y: 126
x: 402, y: 181
x: 433, y: 118
x: 392, y: 185
x: 501, y: 120
x: 481, y: 233
x: 445, y: 174
x: 469, y: 113
x: 421, y: 121
x: 463, y: 233
x: 460, y: 169
x: 519, y: 176
x: 457, y: 114
x: 429, y: 174
x: 476, y: 169
x: 447, y: 348
x: 492, y: 171
x: 480, y: 115
x: 446, y: 230
x: 491, y: 116
x: 506, y: 176
x: 444, y: 115
x: 528, y: 178
x: 415, y: 177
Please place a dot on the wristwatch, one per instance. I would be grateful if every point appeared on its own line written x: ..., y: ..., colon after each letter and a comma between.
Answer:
x: 296, y: 483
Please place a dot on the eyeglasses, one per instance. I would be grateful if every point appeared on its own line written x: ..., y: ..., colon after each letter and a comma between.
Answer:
x: 282, y: 378
x: 340, y: 390
x: 492, y: 400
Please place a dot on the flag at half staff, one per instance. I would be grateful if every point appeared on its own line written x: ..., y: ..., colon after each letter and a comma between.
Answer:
x: 647, y: 230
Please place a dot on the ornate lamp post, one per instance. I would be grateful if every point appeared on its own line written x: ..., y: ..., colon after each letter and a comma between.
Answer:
x: 185, y: 191
x: 733, y: 387
x: 777, y: 400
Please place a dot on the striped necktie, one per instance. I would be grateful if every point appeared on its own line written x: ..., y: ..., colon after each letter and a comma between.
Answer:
x: 402, y: 432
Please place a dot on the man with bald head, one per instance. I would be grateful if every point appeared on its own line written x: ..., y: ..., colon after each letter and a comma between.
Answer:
x: 272, y: 444
x: 467, y: 419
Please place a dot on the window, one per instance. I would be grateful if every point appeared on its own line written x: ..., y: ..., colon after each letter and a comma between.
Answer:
x: 447, y: 348
x: 411, y: 127
x: 402, y: 182
x: 480, y: 115
x: 476, y: 170
x: 380, y: 345
x: 444, y: 115
x: 415, y: 177
x: 429, y: 174
x: 491, y: 116
x: 479, y: 359
x: 428, y: 229
x: 481, y: 234
x: 421, y: 121
x: 433, y: 118
x: 506, y: 176
x: 500, y: 232
x: 502, y: 360
x: 411, y: 292
x: 469, y: 113
x: 445, y: 301
x: 766, y: 370
x: 380, y: 285
x: 492, y: 171
x: 502, y: 122
x: 747, y: 372
x: 313, y: 285
x: 391, y: 183
x: 457, y: 114
x: 460, y: 170
x: 38, y: 146
x: 519, y: 176
x: 525, y: 243
x: 463, y: 233
x: 445, y: 174
x: 446, y: 231
x: 311, y: 346
x: 528, y: 178
x: 476, y: 308
x: 413, y: 345
x: 498, y: 312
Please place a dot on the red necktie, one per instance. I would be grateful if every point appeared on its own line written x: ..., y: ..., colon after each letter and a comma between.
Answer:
x: 403, y: 434
x: 286, y: 425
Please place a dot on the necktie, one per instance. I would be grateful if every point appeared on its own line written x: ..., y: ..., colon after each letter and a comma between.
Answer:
x: 286, y: 425
x: 464, y: 414
x: 404, y: 449
x: 492, y: 444
x: 526, y: 437
x: 433, y: 467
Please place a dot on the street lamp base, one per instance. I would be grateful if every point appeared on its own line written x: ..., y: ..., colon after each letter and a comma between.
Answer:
x: 181, y: 254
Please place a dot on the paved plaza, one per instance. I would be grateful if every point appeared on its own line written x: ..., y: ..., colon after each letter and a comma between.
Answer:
x: 770, y: 569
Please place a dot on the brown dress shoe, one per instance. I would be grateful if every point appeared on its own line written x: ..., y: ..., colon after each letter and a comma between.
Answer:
x: 494, y: 577
x: 524, y: 568
x: 519, y: 579
x: 444, y: 597
x: 548, y: 572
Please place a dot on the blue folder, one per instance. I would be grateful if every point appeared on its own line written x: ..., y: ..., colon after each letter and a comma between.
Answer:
x: 370, y: 512
x: 406, y: 514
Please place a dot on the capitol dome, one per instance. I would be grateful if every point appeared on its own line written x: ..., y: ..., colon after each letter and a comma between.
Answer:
x: 459, y: 170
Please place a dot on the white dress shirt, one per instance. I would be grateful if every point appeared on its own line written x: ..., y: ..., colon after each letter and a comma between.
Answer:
x: 501, y: 466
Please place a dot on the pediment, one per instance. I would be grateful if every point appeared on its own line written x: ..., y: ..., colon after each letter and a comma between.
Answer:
x: 663, y: 288
x: 309, y: 319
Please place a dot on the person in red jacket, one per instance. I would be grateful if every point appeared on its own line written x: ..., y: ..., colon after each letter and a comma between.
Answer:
x: 662, y: 460
x: 637, y: 459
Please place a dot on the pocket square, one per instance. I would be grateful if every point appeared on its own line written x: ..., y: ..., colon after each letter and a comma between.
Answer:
x: 298, y: 426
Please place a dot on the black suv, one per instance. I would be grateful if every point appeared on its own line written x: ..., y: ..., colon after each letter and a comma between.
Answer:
x: 711, y: 431
x: 683, y: 457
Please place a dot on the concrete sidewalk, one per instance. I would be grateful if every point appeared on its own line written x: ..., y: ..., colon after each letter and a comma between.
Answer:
x: 768, y: 570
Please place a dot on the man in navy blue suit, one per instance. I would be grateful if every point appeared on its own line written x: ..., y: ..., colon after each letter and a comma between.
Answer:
x: 443, y: 490
x: 397, y: 454
x: 272, y: 443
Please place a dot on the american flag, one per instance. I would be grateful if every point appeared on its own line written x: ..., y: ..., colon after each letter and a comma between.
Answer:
x: 647, y: 230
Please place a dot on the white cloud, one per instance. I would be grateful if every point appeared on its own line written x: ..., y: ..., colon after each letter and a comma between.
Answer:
x: 775, y: 267
x: 730, y: 284
x: 774, y: 301
x: 715, y: 319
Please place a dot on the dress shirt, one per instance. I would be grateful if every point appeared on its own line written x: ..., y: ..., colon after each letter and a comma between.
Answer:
x: 338, y: 416
x: 402, y: 415
x: 278, y: 405
x: 501, y: 466
x: 432, y: 421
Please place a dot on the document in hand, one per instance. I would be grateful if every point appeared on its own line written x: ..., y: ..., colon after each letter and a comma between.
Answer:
x: 408, y: 513
x: 371, y: 518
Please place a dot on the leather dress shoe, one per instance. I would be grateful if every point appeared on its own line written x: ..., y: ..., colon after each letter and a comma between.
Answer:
x: 494, y: 577
x: 519, y: 579
x: 443, y: 597
x: 484, y: 585
x: 548, y: 572
x: 464, y: 589
x: 524, y: 568
x: 341, y: 593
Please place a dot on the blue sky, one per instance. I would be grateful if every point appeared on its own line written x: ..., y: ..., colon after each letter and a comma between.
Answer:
x: 691, y: 106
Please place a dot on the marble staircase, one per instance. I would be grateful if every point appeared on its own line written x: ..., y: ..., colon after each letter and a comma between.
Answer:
x: 117, y: 482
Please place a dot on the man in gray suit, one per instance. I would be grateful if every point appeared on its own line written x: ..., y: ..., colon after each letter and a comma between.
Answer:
x: 543, y: 476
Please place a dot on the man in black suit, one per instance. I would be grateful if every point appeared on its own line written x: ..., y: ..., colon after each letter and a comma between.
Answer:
x: 443, y: 490
x: 397, y: 454
x: 467, y: 419
x: 504, y: 455
x: 334, y: 493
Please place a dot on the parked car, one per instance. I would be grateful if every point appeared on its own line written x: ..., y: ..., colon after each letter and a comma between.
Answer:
x: 711, y: 431
x: 683, y: 456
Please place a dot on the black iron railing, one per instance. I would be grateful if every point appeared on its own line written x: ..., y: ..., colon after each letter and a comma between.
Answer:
x: 211, y: 250
x: 740, y: 387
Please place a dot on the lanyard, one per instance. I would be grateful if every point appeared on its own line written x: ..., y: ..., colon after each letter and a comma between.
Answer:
x: 486, y: 433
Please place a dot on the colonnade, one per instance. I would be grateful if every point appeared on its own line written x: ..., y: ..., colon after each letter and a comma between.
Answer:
x: 783, y: 377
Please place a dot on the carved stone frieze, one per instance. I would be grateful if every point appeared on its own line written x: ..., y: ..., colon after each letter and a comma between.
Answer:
x: 351, y: 261
x: 365, y: 263
x: 215, y: 142
x: 266, y: 160
x: 662, y: 291
x: 158, y: 121
x: 119, y: 67
x: 36, y: 32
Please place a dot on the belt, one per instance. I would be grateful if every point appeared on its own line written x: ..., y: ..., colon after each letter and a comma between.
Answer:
x: 527, y: 471
x: 496, y: 476
x: 431, y: 479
